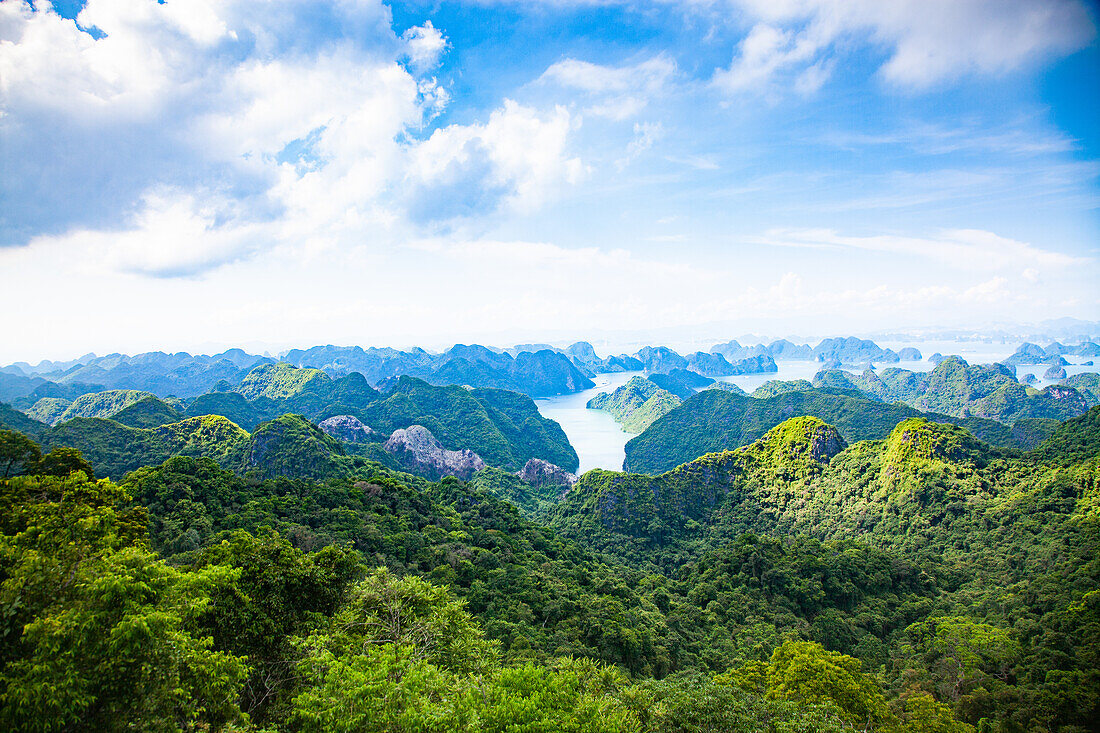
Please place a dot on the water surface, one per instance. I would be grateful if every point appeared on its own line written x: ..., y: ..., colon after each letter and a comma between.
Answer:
x: 598, y: 439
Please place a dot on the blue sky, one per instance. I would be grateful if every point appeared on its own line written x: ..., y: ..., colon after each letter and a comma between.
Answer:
x: 192, y: 175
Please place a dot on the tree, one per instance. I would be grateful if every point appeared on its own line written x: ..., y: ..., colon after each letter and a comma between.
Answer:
x: 275, y: 592
x: 414, y: 617
x: 924, y: 714
x: 96, y: 630
x: 118, y: 655
x: 62, y: 461
x: 18, y: 453
x: 806, y: 671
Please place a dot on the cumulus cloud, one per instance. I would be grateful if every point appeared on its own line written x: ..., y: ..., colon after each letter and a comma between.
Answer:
x: 425, y: 45
x: 518, y: 158
x: 145, y: 131
x: 927, y: 41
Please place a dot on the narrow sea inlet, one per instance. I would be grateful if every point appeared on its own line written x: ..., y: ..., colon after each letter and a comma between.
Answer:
x: 598, y: 439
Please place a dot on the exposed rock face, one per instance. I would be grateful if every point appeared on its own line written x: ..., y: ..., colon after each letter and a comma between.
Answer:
x: 347, y: 428
x: 543, y: 473
x: 583, y: 354
x: 824, y: 442
x: 417, y: 448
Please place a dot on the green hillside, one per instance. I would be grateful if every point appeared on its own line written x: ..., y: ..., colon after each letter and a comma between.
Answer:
x: 234, y: 406
x: 636, y: 404
x: 715, y: 421
x: 148, y: 412
x: 12, y: 419
x: 504, y: 428
x: 962, y: 390
x: 1088, y: 384
x: 48, y: 409
x: 650, y: 601
x: 280, y: 381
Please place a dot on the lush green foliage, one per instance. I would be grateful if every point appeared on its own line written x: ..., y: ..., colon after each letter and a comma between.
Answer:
x: 12, y: 419
x: 235, y: 407
x: 49, y: 409
x: 531, y: 500
x: 636, y: 404
x: 279, y: 381
x: 504, y: 428
x: 1088, y: 384
x: 1073, y: 441
x: 148, y: 412
x: 964, y: 390
x: 1006, y: 548
x: 114, y: 449
x: 101, y: 404
x: 97, y: 630
x: 727, y: 594
x: 714, y: 421
x: 774, y: 387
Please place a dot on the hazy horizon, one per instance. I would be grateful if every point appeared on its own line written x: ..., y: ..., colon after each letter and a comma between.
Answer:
x: 1009, y: 335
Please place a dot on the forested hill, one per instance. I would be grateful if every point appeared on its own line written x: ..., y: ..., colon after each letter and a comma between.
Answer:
x: 716, y: 420
x: 264, y: 427
x: 925, y: 582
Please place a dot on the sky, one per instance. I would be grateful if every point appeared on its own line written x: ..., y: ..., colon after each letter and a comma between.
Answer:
x: 194, y: 175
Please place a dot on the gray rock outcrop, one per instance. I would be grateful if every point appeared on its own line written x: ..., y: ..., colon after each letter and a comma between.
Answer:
x: 347, y: 428
x: 416, y: 448
x: 543, y: 473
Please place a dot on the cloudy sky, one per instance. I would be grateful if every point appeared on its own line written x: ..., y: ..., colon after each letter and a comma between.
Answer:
x: 195, y: 174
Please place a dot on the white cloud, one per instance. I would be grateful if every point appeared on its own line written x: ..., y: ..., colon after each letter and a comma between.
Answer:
x: 615, y: 92
x: 425, y: 44
x: 648, y: 75
x: 928, y: 41
x: 48, y: 63
x: 645, y: 135
x: 1021, y: 137
x: 193, y: 103
x: 519, y: 156
x: 763, y: 54
x: 172, y: 234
